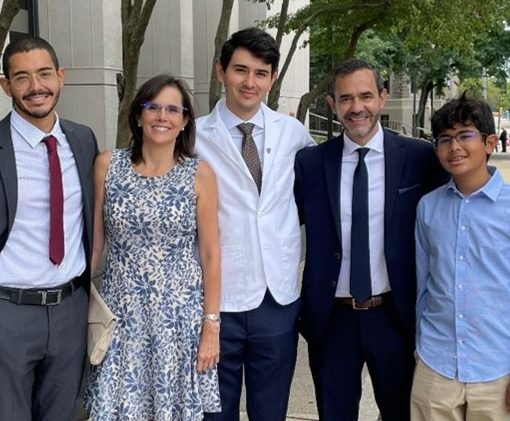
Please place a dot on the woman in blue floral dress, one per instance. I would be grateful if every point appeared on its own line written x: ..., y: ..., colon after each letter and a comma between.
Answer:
x: 153, y: 202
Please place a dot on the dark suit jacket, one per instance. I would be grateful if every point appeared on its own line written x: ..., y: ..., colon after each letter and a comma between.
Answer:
x: 411, y: 171
x: 84, y: 146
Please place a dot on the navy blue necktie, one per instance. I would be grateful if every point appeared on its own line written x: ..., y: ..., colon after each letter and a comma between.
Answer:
x: 361, y: 285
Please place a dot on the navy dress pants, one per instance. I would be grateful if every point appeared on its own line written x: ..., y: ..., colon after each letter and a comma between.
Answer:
x: 260, y: 344
x: 353, y: 338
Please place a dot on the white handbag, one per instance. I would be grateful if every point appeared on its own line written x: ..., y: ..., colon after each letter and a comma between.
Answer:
x: 101, y: 326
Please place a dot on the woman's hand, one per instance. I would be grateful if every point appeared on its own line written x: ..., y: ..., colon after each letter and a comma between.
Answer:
x: 209, y: 346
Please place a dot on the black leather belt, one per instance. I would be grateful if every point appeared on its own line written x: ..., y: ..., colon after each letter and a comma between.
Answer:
x: 41, y: 296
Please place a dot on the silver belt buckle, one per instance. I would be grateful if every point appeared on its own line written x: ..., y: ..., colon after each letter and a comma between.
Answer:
x: 355, y: 306
x: 44, y: 297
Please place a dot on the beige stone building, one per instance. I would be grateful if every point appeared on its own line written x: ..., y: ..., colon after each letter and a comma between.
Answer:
x: 180, y: 39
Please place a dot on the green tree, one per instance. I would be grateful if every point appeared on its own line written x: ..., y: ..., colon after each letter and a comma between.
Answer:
x: 440, y: 39
x: 431, y: 39
x: 341, y: 23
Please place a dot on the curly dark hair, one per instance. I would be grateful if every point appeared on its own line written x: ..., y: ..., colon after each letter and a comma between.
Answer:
x: 466, y: 111
x: 185, y: 142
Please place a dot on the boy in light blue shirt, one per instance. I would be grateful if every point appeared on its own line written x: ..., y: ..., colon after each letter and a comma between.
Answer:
x: 463, y: 275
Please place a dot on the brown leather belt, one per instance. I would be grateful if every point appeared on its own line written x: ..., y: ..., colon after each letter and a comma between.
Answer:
x: 372, y: 302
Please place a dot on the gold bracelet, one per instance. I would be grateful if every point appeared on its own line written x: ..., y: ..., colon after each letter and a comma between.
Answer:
x: 212, y: 317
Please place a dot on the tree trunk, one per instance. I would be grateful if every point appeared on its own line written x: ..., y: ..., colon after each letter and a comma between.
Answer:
x: 219, y: 39
x: 420, y: 115
x: 10, y: 9
x: 274, y: 93
x: 322, y: 87
x: 307, y: 99
x: 135, y: 15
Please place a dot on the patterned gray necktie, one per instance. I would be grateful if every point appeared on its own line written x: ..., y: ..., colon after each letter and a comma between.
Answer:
x: 250, y: 154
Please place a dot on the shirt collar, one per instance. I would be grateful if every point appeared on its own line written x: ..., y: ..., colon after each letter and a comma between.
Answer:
x: 30, y: 133
x: 231, y: 120
x: 490, y: 189
x: 376, y: 143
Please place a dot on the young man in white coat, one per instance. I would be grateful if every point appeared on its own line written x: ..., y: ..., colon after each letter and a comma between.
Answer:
x: 251, y: 149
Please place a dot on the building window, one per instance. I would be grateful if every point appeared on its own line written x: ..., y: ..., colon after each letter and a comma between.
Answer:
x: 26, y: 21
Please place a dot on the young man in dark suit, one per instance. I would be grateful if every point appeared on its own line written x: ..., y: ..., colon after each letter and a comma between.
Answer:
x: 45, y: 240
x: 357, y: 196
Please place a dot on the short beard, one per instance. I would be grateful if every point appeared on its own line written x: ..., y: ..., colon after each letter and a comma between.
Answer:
x: 18, y: 104
x: 375, y: 119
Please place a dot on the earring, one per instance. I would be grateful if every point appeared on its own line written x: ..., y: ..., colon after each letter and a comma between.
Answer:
x: 182, y: 128
x: 139, y: 124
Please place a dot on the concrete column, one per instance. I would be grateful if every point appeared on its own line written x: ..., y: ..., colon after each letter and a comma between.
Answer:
x: 168, y: 46
x: 87, y: 38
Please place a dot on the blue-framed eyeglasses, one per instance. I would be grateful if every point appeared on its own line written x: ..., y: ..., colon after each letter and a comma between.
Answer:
x: 171, y: 109
x: 463, y: 137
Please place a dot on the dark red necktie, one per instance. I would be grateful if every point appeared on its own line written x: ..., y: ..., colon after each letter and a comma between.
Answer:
x: 56, y: 202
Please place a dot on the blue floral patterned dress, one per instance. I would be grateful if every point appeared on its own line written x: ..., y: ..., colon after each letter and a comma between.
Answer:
x: 153, y: 282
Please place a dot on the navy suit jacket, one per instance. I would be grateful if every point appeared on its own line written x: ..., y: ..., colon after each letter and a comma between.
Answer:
x: 84, y: 146
x: 412, y: 170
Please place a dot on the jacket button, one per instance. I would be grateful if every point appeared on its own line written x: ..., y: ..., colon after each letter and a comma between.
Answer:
x: 337, y: 256
x: 333, y: 284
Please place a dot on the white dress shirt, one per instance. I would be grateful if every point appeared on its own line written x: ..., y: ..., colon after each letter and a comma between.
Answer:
x: 232, y: 121
x: 376, y: 187
x: 24, y: 261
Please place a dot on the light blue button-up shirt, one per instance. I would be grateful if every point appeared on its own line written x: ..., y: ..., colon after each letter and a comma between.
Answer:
x: 463, y: 269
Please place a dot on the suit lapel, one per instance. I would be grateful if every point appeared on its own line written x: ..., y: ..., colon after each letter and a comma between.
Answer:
x: 77, y: 146
x: 393, y: 163
x: 8, y: 173
x: 332, y: 170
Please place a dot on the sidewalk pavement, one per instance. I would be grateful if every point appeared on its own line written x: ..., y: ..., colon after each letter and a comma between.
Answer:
x: 302, y: 405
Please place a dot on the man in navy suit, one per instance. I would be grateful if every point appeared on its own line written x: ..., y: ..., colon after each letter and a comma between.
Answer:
x: 377, y: 328
x: 45, y: 240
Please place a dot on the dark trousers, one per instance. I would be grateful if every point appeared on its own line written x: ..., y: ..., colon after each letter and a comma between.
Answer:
x: 263, y: 343
x: 42, y: 354
x: 353, y: 338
